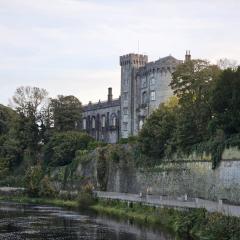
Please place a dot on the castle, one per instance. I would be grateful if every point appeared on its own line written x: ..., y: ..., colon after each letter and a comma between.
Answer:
x: 144, y: 85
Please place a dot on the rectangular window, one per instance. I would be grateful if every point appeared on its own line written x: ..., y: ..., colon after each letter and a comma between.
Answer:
x: 125, y: 96
x: 125, y: 111
x: 153, y: 95
x: 125, y: 126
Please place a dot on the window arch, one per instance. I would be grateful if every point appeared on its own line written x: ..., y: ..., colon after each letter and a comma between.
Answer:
x: 84, y: 123
x: 113, y: 121
x: 103, y: 121
x: 141, y: 124
x: 93, y: 123
x: 144, y: 97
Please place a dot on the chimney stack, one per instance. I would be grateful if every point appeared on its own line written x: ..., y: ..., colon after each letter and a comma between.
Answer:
x: 188, y: 56
x: 110, y: 96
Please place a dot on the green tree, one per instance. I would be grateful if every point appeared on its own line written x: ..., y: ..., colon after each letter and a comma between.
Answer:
x: 29, y: 102
x: 7, y: 118
x: 66, y: 112
x: 10, y: 148
x: 61, y: 148
x: 157, y: 131
x: 225, y: 102
x: 192, y: 83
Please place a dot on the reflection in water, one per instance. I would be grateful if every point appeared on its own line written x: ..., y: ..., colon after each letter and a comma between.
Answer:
x: 18, y: 222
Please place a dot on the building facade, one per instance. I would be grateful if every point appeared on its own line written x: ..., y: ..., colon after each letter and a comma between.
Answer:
x: 144, y: 85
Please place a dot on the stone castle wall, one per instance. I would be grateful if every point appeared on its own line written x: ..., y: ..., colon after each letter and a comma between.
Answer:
x: 196, y: 178
x: 193, y: 176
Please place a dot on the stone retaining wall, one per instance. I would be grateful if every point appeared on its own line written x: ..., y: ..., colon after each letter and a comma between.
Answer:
x: 196, y: 178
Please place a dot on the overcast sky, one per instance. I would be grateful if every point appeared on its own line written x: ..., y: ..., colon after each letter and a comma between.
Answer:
x: 73, y: 46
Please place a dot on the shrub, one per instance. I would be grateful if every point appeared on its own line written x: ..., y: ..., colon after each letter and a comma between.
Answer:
x: 33, y: 179
x: 46, y: 188
x: 85, y: 197
x: 62, y: 147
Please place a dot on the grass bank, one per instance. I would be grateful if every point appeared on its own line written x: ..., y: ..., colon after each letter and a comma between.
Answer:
x: 195, y: 223
x: 41, y: 201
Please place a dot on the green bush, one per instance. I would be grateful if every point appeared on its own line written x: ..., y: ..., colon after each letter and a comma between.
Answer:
x: 38, y: 185
x: 85, y: 197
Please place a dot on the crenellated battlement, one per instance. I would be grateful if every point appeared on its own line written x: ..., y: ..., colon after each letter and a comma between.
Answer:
x: 133, y: 58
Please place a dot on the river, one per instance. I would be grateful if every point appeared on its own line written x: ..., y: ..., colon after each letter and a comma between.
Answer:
x: 25, y: 222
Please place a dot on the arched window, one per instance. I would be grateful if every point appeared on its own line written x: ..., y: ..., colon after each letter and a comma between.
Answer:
x: 144, y: 97
x: 140, y: 124
x: 93, y: 123
x: 103, y: 121
x: 84, y: 123
x: 113, y: 120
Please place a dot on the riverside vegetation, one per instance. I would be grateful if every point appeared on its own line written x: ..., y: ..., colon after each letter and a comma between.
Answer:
x: 39, y: 134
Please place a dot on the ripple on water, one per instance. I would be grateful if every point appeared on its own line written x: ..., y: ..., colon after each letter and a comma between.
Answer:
x: 49, y: 223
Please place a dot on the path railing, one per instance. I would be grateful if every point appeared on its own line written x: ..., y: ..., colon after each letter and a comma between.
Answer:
x: 165, y: 201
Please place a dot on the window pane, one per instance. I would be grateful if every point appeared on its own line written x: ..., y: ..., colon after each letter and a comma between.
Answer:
x: 93, y: 123
x: 153, y: 95
x: 84, y: 123
x: 103, y: 121
x: 144, y: 97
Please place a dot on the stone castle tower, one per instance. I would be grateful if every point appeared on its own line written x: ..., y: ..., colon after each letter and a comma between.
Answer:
x: 144, y: 85
x: 130, y: 64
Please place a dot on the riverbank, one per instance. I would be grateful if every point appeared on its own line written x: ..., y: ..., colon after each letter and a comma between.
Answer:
x: 41, y: 201
x: 193, y: 223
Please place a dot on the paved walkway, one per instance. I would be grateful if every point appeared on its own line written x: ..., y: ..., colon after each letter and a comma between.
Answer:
x: 164, y: 201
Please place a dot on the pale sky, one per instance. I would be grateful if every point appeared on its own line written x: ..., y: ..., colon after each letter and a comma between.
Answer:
x: 73, y: 46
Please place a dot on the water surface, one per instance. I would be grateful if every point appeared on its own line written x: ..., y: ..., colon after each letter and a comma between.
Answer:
x: 23, y: 222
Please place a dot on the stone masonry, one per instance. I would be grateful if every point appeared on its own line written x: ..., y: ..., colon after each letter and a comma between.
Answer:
x: 144, y: 85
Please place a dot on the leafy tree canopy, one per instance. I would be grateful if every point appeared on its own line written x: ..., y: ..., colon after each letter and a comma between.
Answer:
x: 62, y: 147
x: 67, y: 111
x: 225, y: 101
x: 158, y: 130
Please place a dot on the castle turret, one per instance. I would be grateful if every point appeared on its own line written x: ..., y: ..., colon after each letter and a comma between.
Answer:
x: 129, y: 63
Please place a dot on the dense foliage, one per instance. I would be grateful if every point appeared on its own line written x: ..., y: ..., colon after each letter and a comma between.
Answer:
x: 62, y: 147
x: 206, y: 117
x: 40, y: 131
x: 67, y: 112
x: 10, y: 147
